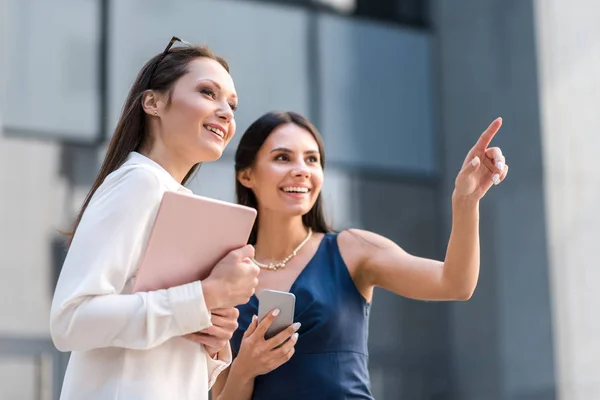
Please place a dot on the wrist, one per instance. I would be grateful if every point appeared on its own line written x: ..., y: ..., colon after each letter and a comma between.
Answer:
x: 211, y: 294
x: 240, y: 373
x: 464, y: 203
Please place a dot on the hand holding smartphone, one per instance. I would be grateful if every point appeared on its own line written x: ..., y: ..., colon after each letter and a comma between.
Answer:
x: 268, y: 300
x: 270, y: 339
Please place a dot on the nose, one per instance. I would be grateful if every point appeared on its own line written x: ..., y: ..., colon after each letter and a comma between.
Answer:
x: 225, y: 113
x: 301, y: 171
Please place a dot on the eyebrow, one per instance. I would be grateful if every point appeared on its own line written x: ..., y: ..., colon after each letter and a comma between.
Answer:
x: 286, y: 150
x: 233, y: 95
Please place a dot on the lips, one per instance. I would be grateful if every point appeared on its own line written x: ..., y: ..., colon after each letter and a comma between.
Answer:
x: 295, y: 189
x: 216, y: 129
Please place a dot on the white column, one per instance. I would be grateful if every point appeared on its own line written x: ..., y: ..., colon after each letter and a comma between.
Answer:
x: 568, y: 43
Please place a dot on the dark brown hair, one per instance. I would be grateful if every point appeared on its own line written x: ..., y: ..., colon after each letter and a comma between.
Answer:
x: 251, y: 142
x: 158, y: 74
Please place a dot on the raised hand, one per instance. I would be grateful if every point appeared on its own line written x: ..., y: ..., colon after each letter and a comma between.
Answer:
x: 475, y: 179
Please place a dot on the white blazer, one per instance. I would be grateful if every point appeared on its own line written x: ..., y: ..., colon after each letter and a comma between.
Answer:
x: 128, y: 346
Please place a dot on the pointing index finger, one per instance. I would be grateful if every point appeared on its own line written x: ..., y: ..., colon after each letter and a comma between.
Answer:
x: 486, y: 137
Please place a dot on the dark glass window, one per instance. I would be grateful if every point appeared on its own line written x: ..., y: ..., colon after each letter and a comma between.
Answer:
x: 406, y: 12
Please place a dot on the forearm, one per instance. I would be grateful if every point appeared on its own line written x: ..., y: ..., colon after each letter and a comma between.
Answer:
x: 238, y: 386
x: 461, y: 266
x: 136, y: 321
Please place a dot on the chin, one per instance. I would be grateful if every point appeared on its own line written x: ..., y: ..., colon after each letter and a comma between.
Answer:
x: 211, y: 153
x: 297, y: 211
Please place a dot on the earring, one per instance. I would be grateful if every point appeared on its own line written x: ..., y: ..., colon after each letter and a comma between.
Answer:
x: 155, y: 113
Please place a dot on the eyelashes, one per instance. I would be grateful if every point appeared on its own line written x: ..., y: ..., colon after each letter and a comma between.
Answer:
x: 209, y: 92
x: 285, y: 157
x: 213, y: 95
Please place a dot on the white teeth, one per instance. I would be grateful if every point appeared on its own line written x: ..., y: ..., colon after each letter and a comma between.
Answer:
x: 215, y: 130
x: 294, y: 189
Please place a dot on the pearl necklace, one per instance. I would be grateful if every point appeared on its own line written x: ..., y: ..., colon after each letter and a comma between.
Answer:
x: 281, y: 264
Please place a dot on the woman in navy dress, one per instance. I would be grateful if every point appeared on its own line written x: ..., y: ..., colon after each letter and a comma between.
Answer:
x: 323, y: 355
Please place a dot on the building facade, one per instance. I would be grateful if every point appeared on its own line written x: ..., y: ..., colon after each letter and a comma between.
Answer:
x: 400, y: 91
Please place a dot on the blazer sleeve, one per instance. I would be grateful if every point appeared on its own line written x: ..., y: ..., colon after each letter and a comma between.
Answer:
x: 88, y: 310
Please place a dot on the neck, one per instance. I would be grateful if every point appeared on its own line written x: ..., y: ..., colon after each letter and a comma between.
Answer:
x: 277, y: 237
x: 170, y: 162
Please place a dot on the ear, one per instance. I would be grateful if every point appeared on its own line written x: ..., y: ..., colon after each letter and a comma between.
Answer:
x: 245, y: 178
x: 150, y: 103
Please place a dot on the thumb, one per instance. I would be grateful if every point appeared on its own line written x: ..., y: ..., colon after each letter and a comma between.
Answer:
x: 247, y: 251
x: 251, y: 327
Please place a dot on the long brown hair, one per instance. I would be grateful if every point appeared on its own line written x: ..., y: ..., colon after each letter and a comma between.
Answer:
x: 159, y: 74
x: 251, y: 142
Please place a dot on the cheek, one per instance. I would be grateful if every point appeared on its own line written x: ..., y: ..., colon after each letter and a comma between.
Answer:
x: 271, y: 178
x: 191, y: 106
x: 267, y: 192
x: 231, y: 130
x: 317, y: 179
x: 268, y: 179
x: 199, y: 108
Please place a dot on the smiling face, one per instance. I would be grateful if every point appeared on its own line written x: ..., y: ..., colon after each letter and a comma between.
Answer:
x: 197, y: 121
x: 286, y: 176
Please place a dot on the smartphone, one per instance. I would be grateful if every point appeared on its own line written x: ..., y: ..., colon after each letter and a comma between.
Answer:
x: 268, y: 300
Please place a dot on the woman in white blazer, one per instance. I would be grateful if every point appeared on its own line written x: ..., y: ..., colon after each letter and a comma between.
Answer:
x: 164, y: 344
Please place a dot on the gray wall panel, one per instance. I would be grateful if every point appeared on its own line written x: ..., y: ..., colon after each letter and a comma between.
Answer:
x: 377, y: 105
x: 264, y: 44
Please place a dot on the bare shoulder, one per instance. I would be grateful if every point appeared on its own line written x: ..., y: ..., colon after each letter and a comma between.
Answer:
x: 356, y: 245
x: 359, y: 247
x: 361, y: 242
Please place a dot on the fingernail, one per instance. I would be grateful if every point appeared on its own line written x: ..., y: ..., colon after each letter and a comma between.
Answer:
x: 496, y: 179
x: 474, y: 161
x: 296, y: 325
x: 295, y: 336
x: 275, y: 312
x: 500, y: 165
x: 254, y: 318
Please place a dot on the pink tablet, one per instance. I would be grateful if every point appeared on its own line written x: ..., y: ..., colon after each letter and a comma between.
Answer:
x: 191, y: 234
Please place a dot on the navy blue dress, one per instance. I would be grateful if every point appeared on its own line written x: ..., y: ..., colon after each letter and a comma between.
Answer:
x: 331, y: 355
